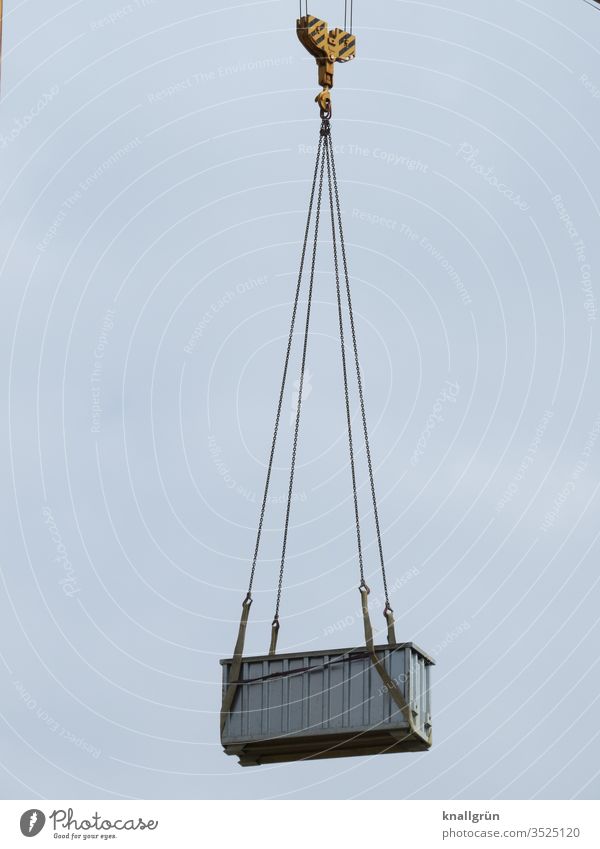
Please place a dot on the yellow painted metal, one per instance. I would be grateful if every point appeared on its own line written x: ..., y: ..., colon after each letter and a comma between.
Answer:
x: 328, y: 47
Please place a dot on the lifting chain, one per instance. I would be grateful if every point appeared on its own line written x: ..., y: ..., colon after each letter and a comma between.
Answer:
x: 324, y: 165
x: 328, y: 47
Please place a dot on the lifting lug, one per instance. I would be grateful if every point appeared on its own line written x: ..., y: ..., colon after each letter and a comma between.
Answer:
x: 323, y: 99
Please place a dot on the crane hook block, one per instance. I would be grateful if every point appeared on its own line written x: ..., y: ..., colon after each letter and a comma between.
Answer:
x: 328, y: 47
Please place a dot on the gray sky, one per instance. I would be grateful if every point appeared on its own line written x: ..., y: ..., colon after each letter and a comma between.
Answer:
x: 156, y: 165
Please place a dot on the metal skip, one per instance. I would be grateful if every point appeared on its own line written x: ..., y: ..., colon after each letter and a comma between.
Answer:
x: 311, y: 706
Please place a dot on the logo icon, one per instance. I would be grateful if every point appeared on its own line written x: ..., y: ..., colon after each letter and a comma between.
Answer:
x: 32, y: 822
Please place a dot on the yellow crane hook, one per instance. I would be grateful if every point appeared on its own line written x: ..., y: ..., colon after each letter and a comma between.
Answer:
x: 328, y: 47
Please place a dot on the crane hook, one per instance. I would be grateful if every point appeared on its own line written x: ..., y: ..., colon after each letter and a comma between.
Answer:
x: 328, y: 47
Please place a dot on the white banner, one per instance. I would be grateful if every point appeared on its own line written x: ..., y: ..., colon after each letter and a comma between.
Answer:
x: 418, y: 824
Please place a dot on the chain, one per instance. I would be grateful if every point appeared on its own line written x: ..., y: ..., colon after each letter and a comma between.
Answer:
x: 286, y: 365
x: 358, y: 378
x: 329, y: 156
x: 321, y: 153
x: 325, y: 159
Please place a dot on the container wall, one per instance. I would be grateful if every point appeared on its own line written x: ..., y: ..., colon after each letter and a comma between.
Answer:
x: 324, y: 694
x: 419, y: 692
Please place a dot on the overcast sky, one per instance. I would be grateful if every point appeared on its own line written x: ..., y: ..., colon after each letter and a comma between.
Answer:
x: 156, y: 162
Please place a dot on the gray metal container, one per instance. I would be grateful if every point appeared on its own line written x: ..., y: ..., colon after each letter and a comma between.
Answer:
x: 309, y: 705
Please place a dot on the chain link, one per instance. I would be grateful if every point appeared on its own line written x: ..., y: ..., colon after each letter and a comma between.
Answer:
x: 358, y: 378
x: 329, y: 155
x: 286, y: 365
x: 325, y: 159
x: 321, y: 152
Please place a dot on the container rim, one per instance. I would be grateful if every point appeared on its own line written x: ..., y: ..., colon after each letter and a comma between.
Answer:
x: 329, y: 652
